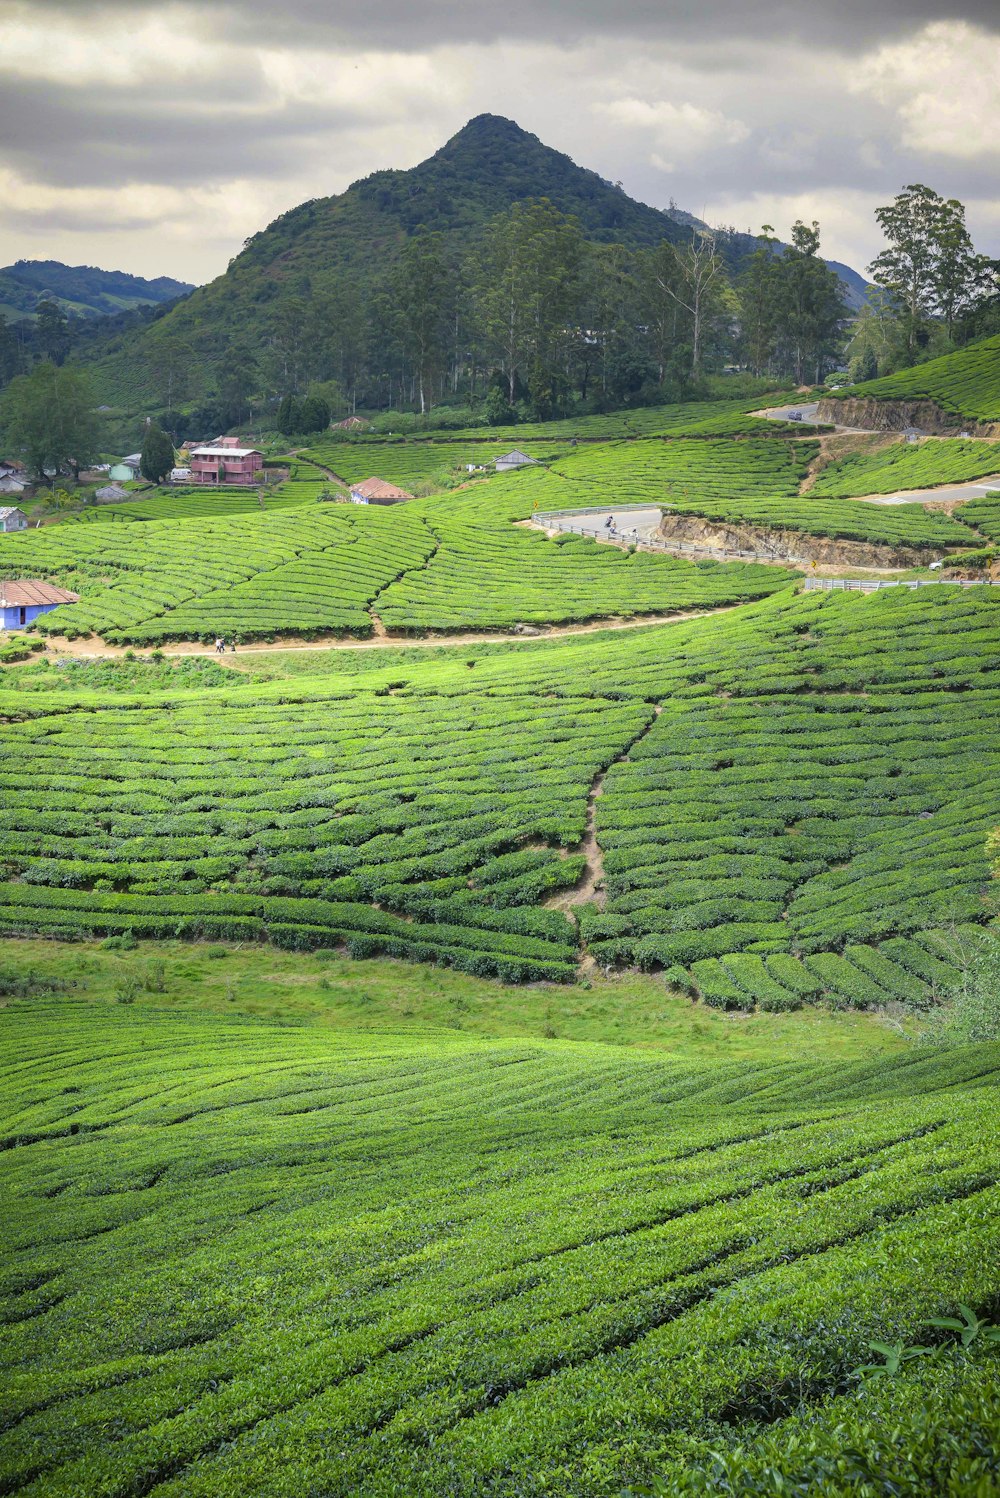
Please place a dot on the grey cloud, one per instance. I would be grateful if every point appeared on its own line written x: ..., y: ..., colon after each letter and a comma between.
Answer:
x: 174, y: 137
x: 743, y: 61
x: 847, y: 25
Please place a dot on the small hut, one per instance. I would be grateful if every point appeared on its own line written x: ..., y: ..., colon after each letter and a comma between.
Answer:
x: 23, y: 601
x: 377, y: 492
x: 515, y: 459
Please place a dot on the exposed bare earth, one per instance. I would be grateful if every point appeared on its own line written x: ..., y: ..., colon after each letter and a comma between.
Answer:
x: 896, y: 416
x: 794, y: 547
x: 91, y: 650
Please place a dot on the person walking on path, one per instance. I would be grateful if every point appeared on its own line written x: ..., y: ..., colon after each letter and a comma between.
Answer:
x: 220, y: 645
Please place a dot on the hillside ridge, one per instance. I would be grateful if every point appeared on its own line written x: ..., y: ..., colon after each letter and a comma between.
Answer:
x: 340, y: 249
x: 85, y: 291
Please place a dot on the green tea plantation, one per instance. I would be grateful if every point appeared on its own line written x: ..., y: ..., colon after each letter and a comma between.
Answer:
x: 442, y: 1065
x: 247, y: 1259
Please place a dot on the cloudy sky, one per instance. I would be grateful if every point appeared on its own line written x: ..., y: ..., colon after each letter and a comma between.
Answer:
x: 154, y: 137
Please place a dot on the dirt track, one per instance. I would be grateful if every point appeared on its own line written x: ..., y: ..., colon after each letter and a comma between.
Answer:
x: 86, y: 649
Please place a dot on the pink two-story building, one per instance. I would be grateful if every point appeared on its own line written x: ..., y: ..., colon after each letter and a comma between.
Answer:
x: 225, y: 461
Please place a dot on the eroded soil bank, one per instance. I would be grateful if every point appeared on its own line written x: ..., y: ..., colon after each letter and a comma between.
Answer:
x: 896, y: 416
x: 793, y: 546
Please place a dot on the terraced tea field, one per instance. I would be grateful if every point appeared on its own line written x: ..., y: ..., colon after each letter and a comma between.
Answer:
x: 983, y: 514
x: 242, y: 1259
x: 458, y: 560
x: 965, y: 383
x: 453, y: 562
x: 488, y: 573
x: 313, y: 569
x: 188, y: 504
x: 810, y: 514
x: 422, y: 465
x: 376, y: 1243
x: 811, y: 779
x: 904, y: 465
x: 652, y: 471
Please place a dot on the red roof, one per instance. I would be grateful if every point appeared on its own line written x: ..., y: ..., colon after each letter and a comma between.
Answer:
x: 25, y: 593
x: 379, y: 489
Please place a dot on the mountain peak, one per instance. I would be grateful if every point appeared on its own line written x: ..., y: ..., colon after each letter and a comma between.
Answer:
x: 490, y: 135
x: 495, y: 125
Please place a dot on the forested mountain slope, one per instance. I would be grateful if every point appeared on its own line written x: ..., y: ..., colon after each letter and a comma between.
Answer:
x: 333, y: 252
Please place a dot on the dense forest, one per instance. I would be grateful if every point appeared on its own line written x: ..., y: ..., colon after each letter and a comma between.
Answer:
x: 500, y: 282
x: 498, y: 269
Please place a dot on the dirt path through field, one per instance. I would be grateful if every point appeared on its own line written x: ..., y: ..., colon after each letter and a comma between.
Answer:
x: 87, y: 651
x: 591, y: 884
x: 328, y: 472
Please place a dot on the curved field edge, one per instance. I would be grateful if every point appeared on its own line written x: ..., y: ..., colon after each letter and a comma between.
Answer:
x: 815, y: 789
x: 247, y: 1259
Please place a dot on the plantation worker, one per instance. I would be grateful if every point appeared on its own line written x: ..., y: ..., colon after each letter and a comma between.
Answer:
x: 219, y: 645
x: 232, y: 645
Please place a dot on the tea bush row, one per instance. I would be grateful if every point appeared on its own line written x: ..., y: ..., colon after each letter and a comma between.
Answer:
x: 966, y: 382
x: 489, y: 573
x: 315, y: 569
x: 820, y: 780
x: 196, y: 504
x: 406, y: 801
x: 654, y: 472
x: 301, y: 569
x: 243, y: 1259
x: 907, y: 525
x: 906, y: 465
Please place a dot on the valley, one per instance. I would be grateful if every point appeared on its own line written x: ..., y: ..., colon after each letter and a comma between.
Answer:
x: 499, y: 957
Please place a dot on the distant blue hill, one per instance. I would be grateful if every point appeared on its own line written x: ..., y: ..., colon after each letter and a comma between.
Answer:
x: 81, y: 290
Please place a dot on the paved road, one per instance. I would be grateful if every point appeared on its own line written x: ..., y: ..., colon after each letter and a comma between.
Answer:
x: 644, y: 522
x: 807, y: 413
x: 947, y: 492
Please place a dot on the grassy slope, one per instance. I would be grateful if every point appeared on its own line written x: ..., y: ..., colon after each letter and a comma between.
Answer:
x: 247, y: 1259
x: 903, y: 465
x: 339, y: 993
x: 966, y: 383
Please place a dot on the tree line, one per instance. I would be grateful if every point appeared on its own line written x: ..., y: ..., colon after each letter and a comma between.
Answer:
x: 537, y: 320
x: 532, y: 322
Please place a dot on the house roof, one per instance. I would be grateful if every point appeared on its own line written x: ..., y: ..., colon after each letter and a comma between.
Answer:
x: 10, y: 510
x: 132, y: 458
x: 379, y: 489
x: 515, y: 457
x: 351, y: 424
x: 28, y: 591
x: 223, y: 452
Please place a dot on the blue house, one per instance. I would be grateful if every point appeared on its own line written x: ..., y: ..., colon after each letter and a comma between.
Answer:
x: 21, y: 602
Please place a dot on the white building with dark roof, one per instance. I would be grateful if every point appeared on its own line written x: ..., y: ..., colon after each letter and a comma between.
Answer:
x: 515, y: 459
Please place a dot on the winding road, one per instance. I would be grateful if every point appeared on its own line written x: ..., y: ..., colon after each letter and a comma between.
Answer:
x: 807, y: 414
